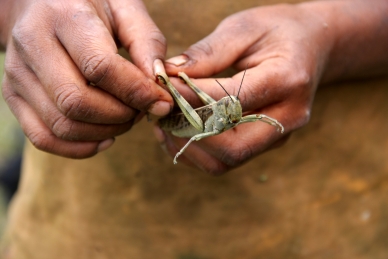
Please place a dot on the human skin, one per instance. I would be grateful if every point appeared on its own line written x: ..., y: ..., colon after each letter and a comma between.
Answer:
x: 64, y: 81
x: 289, y: 50
x: 55, y: 48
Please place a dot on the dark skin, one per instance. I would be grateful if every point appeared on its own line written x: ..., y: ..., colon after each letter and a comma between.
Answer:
x: 290, y: 49
x: 74, y: 102
x: 64, y: 81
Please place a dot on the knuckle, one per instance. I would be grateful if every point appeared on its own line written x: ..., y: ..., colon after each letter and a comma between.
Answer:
x: 302, y: 117
x: 22, y: 36
x: 138, y: 94
x: 62, y: 128
x: 202, y: 46
x: 158, y: 38
x: 27, y: 26
x: 11, y: 99
x: 96, y: 67
x: 7, y: 92
x: 11, y: 71
x: 234, y: 23
x: 301, y: 78
x: 298, y: 117
x: 71, y: 102
x: 15, y: 73
x: 10, y: 96
x: 40, y: 140
x: 46, y: 142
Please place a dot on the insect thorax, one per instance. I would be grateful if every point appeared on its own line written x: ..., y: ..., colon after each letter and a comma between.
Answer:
x: 227, y: 112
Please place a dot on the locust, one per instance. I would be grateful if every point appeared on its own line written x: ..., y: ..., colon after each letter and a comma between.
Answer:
x: 209, y: 120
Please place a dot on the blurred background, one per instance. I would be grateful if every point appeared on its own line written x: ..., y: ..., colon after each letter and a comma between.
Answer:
x: 323, y: 195
x: 11, y: 142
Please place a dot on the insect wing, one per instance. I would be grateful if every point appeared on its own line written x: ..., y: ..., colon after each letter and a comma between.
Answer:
x: 178, y: 121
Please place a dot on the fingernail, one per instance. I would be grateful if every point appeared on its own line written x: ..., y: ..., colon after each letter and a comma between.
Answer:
x: 104, y: 145
x: 158, y: 67
x: 160, y: 108
x: 178, y: 60
x: 159, y: 134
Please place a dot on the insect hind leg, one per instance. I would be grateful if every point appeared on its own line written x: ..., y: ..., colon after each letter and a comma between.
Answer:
x: 263, y: 118
x: 205, y: 98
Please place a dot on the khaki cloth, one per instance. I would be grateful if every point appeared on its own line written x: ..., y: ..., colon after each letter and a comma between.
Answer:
x: 326, y: 195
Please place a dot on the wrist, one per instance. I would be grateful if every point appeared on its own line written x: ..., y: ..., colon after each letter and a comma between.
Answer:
x: 356, y: 35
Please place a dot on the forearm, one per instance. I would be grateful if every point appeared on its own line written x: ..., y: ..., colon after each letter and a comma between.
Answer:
x: 357, y: 32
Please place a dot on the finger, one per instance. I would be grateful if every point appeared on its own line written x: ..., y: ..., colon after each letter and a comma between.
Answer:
x: 101, y: 65
x: 169, y: 147
x: 138, y: 34
x: 253, y: 90
x: 41, y: 136
x: 248, y: 140
x: 216, y: 52
x: 27, y: 86
x: 271, y: 82
x: 63, y: 82
x: 230, y: 149
x: 196, y: 155
x: 234, y: 147
x: 93, y: 51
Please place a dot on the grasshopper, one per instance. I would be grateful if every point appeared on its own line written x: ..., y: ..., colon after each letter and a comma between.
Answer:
x: 209, y: 120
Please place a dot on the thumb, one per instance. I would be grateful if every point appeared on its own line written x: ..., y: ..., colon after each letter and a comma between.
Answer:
x: 138, y: 34
x: 211, y: 55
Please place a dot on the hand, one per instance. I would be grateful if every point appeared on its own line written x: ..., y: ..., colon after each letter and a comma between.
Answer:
x: 289, y: 50
x: 64, y: 81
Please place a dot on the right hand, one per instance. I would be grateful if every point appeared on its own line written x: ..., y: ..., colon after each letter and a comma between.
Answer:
x: 64, y: 81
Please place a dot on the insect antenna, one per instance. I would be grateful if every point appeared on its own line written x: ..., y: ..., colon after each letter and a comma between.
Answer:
x: 242, y: 81
x: 225, y: 90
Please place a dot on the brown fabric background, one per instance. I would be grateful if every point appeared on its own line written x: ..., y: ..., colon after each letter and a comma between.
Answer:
x: 325, y: 197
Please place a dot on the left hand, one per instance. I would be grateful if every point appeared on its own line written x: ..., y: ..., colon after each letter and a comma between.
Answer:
x: 280, y: 82
x: 289, y: 49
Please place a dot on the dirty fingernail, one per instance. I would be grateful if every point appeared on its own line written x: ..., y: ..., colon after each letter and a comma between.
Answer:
x: 160, y: 108
x: 178, y: 60
x: 158, y: 67
x: 104, y: 145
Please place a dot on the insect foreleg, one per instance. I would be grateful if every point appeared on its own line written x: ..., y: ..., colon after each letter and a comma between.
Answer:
x: 195, y: 138
x: 263, y: 118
